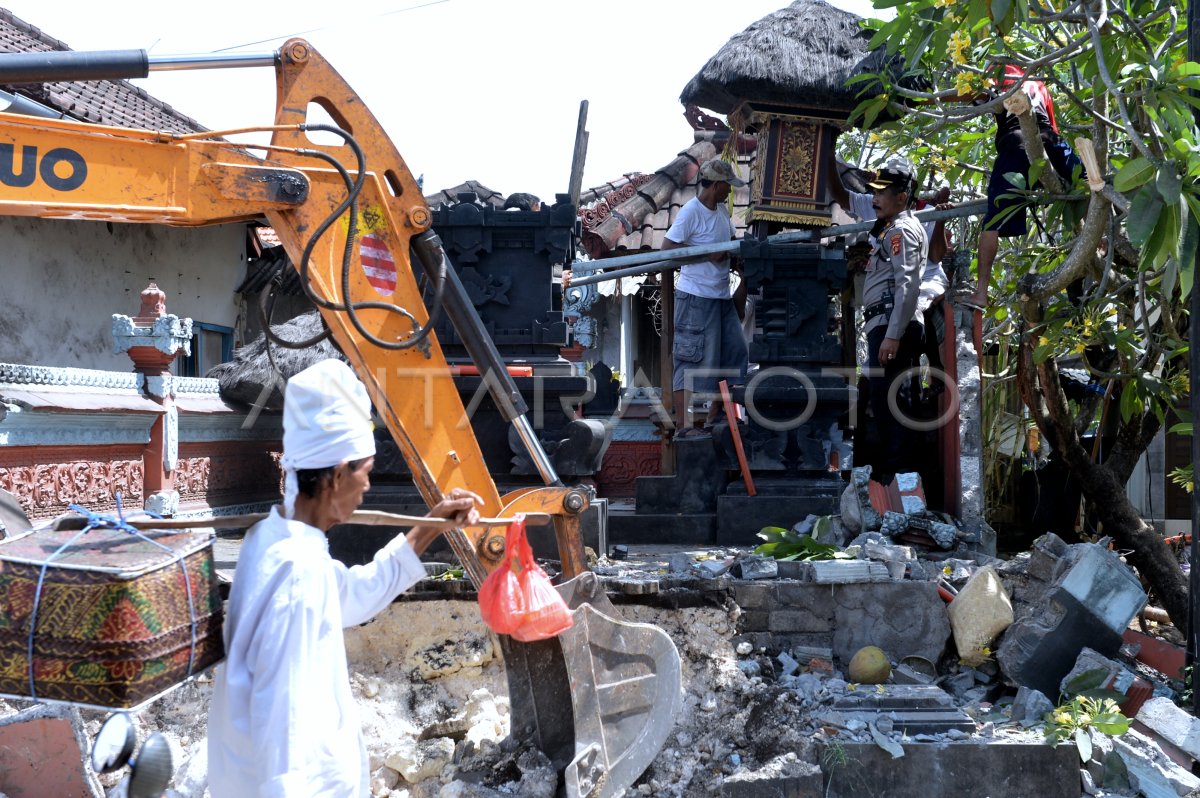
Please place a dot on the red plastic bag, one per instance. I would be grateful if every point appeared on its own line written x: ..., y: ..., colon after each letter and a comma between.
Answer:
x: 517, y: 598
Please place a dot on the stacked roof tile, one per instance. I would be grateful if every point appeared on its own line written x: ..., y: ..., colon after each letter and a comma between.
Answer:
x: 634, y: 212
x: 116, y: 103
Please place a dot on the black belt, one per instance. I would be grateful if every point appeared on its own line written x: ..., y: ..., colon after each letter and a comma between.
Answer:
x: 878, y: 309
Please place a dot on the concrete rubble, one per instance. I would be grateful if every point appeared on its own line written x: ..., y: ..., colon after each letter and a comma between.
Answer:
x: 768, y: 710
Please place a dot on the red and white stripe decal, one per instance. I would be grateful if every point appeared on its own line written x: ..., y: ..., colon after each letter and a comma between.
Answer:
x: 377, y: 264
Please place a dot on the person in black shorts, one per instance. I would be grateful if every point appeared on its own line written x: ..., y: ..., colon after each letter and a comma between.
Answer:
x: 1005, y: 216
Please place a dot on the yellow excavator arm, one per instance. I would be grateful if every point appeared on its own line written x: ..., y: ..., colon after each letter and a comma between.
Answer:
x: 343, y: 213
x: 599, y: 699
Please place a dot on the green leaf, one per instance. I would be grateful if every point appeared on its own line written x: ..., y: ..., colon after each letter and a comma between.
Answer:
x: 1001, y: 10
x: 1131, y: 403
x: 1163, y: 240
x: 866, y: 77
x: 874, y: 110
x: 977, y: 12
x: 1187, y: 272
x: 1035, y: 171
x: 916, y: 48
x: 1083, y: 741
x: 1169, y: 183
x: 1133, y: 174
x: 1083, y: 682
x: 1111, y: 723
x: 1016, y: 180
x: 1143, y: 215
x: 767, y: 549
x: 772, y: 533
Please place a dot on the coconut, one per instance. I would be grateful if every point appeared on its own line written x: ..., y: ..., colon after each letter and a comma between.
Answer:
x: 870, y: 665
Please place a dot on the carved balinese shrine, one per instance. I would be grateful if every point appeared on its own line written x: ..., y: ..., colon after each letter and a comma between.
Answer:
x: 788, y: 181
x: 165, y: 443
x: 797, y: 398
x: 509, y: 262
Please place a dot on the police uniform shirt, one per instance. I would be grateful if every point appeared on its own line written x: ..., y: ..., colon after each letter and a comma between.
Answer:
x: 894, y: 276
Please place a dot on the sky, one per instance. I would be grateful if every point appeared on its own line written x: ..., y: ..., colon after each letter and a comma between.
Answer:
x: 485, y: 90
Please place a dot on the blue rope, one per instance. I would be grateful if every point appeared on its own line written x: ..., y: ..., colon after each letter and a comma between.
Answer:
x: 102, y: 521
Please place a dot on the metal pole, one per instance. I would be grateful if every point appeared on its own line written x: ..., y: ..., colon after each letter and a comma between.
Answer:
x: 82, y: 65
x: 651, y: 262
x: 175, y: 63
x: 1193, y: 28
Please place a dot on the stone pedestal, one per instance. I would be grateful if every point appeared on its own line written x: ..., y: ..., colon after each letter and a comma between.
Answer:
x: 152, y: 339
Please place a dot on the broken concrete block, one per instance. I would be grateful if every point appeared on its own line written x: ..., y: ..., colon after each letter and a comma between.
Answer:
x: 945, y: 535
x: 886, y: 552
x: 1151, y: 772
x: 1173, y: 724
x: 847, y: 571
x: 978, y: 614
x: 787, y: 664
x: 485, y: 718
x: 912, y: 494
x: 903, y: 674
x: 40, y: 753
x: 1101, y: 582
x: 893, y: 524
x: 417, y: 761
x: 858, y: 514
x: 1089, y: 601
x: 714, y: 568
x: 806, y: 526
x: 1042, y: 646
x: 787, y: 775
x: 805, y: 654
x: 680, y: 563
x: 383, y: 781
x: 756, y: 567
x: 954, y: 770
x: 437, y: 656
x: 749, y: 667
x: 1030, y: 706
x: 959, y: 683
x: 851, y: 513
x: 1094, y: 671
x: 830, y: 531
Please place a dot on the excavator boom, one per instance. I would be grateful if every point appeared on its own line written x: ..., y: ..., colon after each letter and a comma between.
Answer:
x: 599, y: 700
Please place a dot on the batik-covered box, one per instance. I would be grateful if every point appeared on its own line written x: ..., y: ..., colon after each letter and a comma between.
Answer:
x: 112, y: 619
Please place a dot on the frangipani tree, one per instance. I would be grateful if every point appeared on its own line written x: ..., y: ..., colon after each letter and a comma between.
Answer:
x: 1103, y: 278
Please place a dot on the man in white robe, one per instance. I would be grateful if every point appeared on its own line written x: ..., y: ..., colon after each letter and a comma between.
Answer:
x: 283, y: 723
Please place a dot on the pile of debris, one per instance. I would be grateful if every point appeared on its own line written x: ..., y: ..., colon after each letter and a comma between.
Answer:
x: 887, y: 663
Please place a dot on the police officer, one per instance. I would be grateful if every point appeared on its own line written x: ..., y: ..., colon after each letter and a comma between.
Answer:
x: 892, y: 319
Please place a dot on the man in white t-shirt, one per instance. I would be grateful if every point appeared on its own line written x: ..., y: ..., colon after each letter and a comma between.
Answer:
x: 709, y: 342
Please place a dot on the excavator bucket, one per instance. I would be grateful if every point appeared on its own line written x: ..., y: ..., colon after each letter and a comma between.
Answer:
x: 601, y: 698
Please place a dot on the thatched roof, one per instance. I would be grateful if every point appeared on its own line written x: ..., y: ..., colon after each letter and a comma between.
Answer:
x: 801, y: 55
x: 244, y: 378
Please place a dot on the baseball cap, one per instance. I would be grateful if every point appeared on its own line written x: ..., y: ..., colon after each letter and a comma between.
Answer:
x: 719, y: 171
x: 896, y: 172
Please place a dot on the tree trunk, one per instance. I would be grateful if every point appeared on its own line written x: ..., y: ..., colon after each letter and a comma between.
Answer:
x: 1042, y: 394
x: 1148, y: 554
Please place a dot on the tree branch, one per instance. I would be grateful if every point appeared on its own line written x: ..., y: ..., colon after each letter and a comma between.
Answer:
x: 1098, y: 48
x: 1039, y: 287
